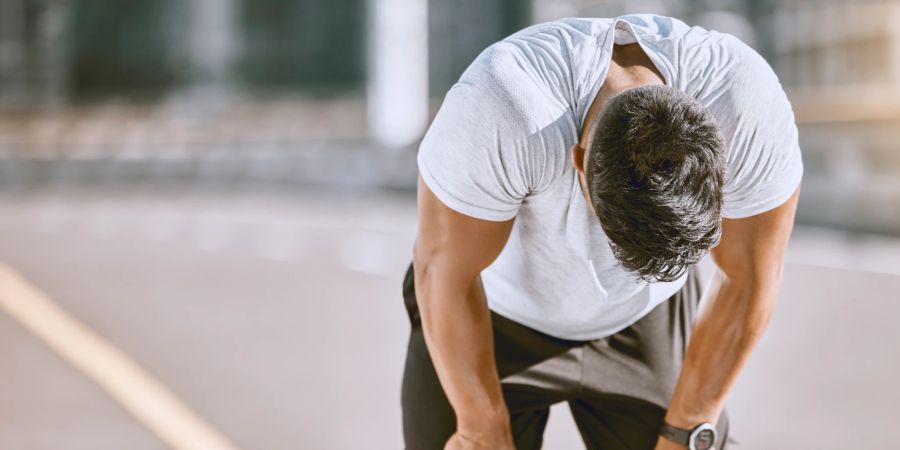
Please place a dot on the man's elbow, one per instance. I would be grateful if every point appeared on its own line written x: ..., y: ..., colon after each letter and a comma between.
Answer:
x: 423, y: 255
x: 761, y: 280
x: 759, y: 296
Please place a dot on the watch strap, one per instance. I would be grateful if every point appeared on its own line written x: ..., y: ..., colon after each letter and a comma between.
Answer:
x: 675, y: 434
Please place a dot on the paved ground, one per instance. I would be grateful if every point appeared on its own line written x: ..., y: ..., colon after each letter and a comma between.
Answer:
x: 278, y: 319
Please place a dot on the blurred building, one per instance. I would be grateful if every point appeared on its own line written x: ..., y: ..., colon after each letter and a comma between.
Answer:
x: 840, y: 63
x: 91, y: 49
x: 289, y: 90
x: 837, y: 45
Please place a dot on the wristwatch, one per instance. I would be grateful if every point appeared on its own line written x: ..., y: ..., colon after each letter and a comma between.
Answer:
x: 701, y: 437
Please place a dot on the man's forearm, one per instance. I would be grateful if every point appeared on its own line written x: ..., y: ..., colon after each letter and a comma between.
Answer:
x: 722, y: 339
x: 457, y: 327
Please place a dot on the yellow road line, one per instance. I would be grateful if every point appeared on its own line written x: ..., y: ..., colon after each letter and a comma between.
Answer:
x: 146, y: 398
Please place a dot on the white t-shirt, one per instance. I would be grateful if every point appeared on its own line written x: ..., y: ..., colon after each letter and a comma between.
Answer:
x: 500, y: 144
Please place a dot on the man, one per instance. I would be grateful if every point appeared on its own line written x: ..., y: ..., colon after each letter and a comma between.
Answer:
x: 570, y: 182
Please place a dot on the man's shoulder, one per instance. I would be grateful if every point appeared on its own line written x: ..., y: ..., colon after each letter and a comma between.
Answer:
x: 589, y: 27
x: 560, y: 37
x: 530, y: 74
x: 705, y: 46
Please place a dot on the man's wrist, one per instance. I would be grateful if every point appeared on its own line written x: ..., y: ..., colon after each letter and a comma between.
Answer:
x: 486, y: 420
x: 486, y: 433
x: 681, y: 414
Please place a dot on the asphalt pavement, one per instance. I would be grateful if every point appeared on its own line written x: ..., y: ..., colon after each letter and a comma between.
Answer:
x: 277, y: 319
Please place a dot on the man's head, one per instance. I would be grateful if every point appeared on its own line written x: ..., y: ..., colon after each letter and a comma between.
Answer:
x: 653, y: 167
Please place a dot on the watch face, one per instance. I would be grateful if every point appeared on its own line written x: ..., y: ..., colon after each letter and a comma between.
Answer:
x: 704, y: 440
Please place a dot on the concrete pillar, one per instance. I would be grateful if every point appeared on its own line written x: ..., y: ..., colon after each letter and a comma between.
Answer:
x: 398, y: 71
x: 52, y: 57
x: 211, y: 38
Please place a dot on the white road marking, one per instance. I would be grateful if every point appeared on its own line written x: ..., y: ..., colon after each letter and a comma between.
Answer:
x: 146, y: 398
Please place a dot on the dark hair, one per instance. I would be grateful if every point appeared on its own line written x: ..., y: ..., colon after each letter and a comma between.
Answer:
x: 654, y: 175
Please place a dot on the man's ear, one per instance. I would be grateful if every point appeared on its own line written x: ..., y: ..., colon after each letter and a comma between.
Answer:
x: 578, y: 157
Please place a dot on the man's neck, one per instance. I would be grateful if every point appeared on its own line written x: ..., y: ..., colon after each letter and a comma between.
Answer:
x: 629, y: 68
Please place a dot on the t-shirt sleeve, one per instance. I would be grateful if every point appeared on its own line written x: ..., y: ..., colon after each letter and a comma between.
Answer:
x: 763, y: 164
x: 472, y: 156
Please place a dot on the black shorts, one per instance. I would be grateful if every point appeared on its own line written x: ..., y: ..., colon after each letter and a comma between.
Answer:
x: 617, y: 387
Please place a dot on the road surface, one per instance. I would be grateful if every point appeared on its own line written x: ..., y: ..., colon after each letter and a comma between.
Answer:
x: 277, y: 321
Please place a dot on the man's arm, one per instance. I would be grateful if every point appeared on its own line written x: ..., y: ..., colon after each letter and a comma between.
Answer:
x: 450, y: 252
x: 750, y: 260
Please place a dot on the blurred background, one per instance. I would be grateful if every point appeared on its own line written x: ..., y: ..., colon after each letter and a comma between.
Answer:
x: 207, y: 208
